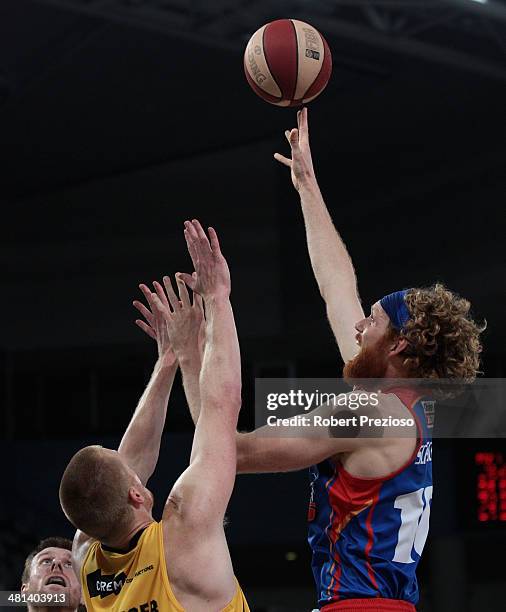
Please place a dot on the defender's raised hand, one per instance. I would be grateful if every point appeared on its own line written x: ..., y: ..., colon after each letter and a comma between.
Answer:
x: 301, y: 163
x: 185, y: 336
x: 212, y: 276
x: 185, y: 320
x: 155, y: 325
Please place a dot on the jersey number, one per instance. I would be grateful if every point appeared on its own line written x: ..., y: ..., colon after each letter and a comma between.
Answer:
x: 415, y: 512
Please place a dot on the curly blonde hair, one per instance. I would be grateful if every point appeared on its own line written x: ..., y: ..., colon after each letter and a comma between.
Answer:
x: 443, y: 340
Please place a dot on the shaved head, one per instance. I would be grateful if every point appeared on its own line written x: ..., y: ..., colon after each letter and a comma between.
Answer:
x: 94, y: 492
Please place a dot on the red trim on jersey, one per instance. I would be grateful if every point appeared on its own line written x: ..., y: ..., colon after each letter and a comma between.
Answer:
x: 335, y: 569
x: 348, y: 496
x: 370, y: 541
x: 370, y: 605
x: 348, y: 499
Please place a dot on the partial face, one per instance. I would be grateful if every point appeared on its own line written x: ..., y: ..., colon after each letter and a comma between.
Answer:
x: 373, y: 328
x: 138, y: 492
x: 52, y: 572
x: 373, y: 339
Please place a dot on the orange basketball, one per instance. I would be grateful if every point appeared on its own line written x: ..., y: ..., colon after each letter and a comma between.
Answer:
x: 287, y: 62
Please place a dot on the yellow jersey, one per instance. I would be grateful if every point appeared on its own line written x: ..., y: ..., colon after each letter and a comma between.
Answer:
x: 135, y: 581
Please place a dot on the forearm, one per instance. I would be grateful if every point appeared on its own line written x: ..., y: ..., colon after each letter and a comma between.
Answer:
x: 190, y: 365
x: 220, y: 377
x: 220, y: 388
x: 331, y: 263
x: 268, y: 449
x: 140, y: 444
x: 265, y: 452
x: 214, y: 450
x: 254, y: 456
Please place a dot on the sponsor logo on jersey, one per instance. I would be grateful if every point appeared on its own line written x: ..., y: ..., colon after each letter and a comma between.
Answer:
x: 142, y: 571
x: 104, y: 585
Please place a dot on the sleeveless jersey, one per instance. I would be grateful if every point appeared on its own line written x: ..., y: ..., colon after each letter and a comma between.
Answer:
x: 367, y: 534
x: 135, y: 581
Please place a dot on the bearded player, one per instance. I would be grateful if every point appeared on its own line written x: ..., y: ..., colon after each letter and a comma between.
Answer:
x: 370, y: 496
x: 127, y: 560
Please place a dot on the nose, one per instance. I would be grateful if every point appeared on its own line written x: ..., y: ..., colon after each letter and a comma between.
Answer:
x: 360, y: 326
x: 57, y: 564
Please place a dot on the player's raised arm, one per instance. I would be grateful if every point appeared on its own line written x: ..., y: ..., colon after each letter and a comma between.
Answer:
x: 332, y: 265
x: 140, y: 445
x: 185, y: 319
x: 220, y: 377
x: 193, y: 517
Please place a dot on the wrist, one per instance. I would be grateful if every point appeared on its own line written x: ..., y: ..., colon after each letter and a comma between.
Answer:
x: 190, y: 357
x: 218, y: 298
x: 164, y: 368
x: 308, y: 187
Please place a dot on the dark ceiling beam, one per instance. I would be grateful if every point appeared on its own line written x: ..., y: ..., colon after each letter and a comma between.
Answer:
x: 416, y: 48
x: 140, y: 17
x: 493, y: 9
x: 145, y: 16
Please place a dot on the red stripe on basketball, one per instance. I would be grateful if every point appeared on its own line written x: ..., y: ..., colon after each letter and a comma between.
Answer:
x: 321, y: 80
x: 259, y: 91
x: 280, y: 49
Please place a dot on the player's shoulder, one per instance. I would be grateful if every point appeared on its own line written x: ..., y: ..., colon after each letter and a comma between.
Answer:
x: 81, y: 542
x: 374, y: 418
x: 397, y: 402
x: 385, y: 436
x: 390, y: 401
x: 80, y: 548
x: 368, y: 403
x: 377, y: 400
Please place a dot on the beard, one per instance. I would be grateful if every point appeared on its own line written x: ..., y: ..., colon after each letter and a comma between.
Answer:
x: 371, y: 362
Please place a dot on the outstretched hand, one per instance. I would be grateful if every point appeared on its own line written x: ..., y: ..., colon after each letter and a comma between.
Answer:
x: 212, y: 276
x: 155, y: 325
x: 182, y: 321
x: 301, y: 163
x: 185, y: 320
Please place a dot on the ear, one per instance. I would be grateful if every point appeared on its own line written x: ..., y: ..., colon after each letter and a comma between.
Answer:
x: 397, y: 345
x: 135, y: 497
x: 24, y: 587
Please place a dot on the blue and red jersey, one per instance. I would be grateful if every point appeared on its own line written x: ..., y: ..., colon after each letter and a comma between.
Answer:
x: 367, y: 534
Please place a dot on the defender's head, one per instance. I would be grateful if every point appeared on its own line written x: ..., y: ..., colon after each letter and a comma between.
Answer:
x: 48, y: 569
x: 418, y: 333
x: 101, y: 495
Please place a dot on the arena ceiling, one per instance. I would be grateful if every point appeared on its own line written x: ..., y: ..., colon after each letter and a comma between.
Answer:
x: 118, y: 119
x: 98, y: 87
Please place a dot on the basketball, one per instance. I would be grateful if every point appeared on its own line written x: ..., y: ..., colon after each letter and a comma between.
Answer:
x: 287, y: 62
